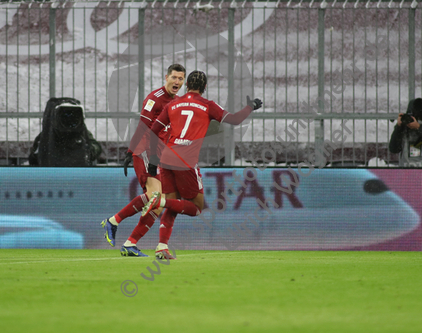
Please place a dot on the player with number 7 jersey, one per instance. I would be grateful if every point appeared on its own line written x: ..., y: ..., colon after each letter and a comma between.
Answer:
x: 189, y: 118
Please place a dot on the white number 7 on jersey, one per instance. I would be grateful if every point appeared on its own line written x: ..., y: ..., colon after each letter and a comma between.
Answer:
x: 188, y: 113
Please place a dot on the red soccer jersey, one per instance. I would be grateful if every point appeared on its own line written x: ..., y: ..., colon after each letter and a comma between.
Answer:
x: 151, y: 108
x: 189, y: 117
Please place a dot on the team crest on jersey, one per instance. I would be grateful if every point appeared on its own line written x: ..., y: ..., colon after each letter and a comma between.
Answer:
x: 149, y: 105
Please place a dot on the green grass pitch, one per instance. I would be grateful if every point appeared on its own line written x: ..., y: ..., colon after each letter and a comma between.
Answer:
x: 211, y: 291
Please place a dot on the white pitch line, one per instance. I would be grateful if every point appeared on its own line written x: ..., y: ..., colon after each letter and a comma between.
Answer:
x: 99, y: 259
x: 198, y: 254
x: 56, y: 260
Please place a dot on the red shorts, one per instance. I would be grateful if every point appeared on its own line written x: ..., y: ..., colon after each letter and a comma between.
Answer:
x: 187, y: 182
x: 140, y: 167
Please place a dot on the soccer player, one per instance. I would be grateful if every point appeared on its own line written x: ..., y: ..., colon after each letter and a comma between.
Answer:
x: 139, y: 153
x: 189, y: 116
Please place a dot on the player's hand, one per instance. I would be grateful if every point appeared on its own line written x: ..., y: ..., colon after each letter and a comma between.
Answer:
x: 128, y: 160
x: 152, y: 165
x: 414, y: 124
x: 254, y: 104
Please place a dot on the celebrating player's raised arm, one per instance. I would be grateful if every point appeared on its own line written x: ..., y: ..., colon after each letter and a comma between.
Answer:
x: 238, y: 117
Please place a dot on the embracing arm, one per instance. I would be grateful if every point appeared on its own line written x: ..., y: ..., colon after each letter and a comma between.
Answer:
x: 144, y: 123
x: 153, y: 141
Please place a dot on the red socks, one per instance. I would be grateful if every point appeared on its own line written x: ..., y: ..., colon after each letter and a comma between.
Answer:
x: 144, y: 224
x: 182, y: 206
x: 166, y: 225
x: 132, y: 208
x: 174, y: 206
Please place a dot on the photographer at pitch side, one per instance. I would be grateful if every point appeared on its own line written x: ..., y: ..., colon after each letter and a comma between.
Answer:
x: 406, y: 138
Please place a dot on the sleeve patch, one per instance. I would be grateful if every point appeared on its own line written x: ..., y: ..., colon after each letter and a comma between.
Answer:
x: 149, y: 105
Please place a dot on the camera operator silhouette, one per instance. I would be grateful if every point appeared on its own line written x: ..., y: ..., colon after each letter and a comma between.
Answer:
x: 406, y: 138
x: 64, y: 140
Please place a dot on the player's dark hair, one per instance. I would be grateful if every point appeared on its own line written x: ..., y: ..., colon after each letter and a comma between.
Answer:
x: 197, y: 80
x: 177, y: 68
